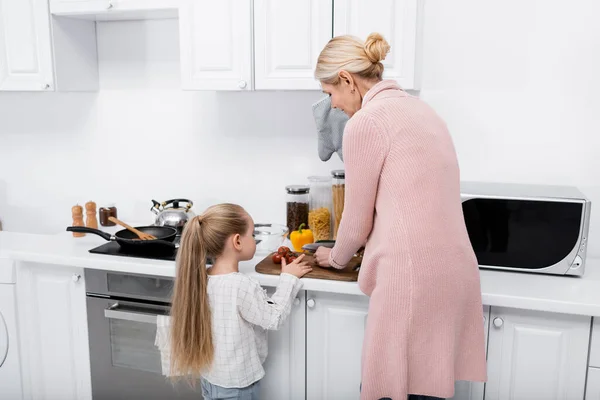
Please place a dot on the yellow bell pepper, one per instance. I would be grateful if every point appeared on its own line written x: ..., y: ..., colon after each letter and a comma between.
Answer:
x: 301, y: 237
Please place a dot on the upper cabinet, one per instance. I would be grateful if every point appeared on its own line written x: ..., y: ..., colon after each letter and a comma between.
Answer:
x: 39, y: 53
x: 110, y: 10
x: 25, y: 49
x: 216, y: 45
x: 396, y: 20
x: 289, y: 35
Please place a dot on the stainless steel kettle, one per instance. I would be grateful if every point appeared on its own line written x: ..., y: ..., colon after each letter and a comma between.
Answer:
x: 174, y: 213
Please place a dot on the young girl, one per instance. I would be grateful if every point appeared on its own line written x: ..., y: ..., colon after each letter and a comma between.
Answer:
x: 219, y: 315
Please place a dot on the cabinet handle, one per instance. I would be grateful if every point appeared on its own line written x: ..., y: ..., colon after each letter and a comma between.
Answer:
x: 242, y: 84
x: 76, y: 277
x: 45, y: 86
x: 310, y: 303
x: 296, y: 301
x: 498, y: 322
x: 110, y: 5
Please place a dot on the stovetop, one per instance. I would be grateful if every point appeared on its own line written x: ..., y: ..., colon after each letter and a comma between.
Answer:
x: 113, y: 249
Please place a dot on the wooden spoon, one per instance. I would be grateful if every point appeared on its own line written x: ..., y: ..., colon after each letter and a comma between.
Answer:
x: 141, y: 235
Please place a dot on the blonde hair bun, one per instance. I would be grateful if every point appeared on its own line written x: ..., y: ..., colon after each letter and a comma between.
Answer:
x: 376, y: 47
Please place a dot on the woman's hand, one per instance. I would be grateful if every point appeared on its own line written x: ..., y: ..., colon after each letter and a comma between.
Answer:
x: 298, y: 268
x: 322, y: 257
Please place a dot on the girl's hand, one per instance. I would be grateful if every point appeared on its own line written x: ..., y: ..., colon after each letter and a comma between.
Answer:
x: 322, y: 257
x: 298, y: 268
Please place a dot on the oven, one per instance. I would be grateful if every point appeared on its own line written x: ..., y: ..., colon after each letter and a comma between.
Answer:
x: 122, y: 310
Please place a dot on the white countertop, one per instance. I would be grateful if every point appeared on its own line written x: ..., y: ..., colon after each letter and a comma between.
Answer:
x: 570, y: 295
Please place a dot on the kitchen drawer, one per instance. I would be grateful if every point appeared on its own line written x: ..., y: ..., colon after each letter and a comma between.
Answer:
x: 595, y: 348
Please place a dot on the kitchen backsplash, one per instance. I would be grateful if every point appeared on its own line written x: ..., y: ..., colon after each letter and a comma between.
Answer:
x: 514, y: 113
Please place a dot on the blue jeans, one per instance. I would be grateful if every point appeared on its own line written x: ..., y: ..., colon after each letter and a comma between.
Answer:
x: 214, y: 392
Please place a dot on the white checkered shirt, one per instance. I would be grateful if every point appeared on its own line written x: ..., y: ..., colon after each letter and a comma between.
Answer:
x: 241, y: 314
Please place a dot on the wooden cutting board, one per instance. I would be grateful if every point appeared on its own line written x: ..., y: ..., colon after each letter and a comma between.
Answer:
x: 267, y: 266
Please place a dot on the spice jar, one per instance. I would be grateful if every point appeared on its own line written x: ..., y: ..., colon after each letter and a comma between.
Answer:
x: 319, y: 207
x: 297, y: 206
x: 105, y: 212
x: 338, y: 190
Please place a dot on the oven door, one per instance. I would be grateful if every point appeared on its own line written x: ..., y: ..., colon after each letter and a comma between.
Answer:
x: 125, y: 363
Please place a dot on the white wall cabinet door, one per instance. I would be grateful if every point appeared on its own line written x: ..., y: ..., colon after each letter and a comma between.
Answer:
x: 536, y: 355
x: 289, y: 35
x: 285, y: 366
x: 396, y: 20
x: 53, y: 332
x: 25, y: 49
x: 216, y: 45
x: 335, y: 326
x: 464, y: 390
x: 593, y: 384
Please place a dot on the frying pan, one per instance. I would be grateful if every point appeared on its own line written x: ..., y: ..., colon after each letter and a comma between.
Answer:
x: 126, y: 239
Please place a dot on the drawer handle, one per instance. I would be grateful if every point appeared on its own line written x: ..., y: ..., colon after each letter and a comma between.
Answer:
x: 498, y: 322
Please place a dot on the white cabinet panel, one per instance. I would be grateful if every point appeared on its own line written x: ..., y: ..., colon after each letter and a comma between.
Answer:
x: 25, y: 49
x: 396, y: 20
x: 536, y: 355
x: 285, y: 366
x: 289, y: 35
x: 335, y: 326
x: 593, y: 384
x: 216, y: 45
x: 53, y: 332
x: 595, y: 349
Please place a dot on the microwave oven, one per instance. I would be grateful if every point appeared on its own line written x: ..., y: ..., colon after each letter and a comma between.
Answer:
x: 528, y: 228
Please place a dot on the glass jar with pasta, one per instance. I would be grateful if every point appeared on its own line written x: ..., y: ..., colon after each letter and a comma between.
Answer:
x: 338, y: 191
x: 319, y: 214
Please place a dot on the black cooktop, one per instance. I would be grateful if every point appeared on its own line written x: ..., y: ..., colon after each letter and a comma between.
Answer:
x: 113, y: 249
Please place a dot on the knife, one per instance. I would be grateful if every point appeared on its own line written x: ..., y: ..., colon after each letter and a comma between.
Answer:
x: 312, y: 247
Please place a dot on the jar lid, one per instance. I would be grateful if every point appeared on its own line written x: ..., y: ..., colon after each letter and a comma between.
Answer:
x: 108, y: 205
x: 297, y: 189
x: 338, y: 173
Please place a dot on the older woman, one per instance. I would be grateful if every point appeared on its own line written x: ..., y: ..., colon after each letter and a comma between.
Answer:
x: 425, y: 327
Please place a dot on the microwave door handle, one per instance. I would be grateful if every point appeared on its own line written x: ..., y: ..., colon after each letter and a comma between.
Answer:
x: 113, y: 312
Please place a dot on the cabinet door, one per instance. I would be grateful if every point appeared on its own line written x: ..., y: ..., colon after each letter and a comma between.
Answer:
x: 335, y: 326
x: 464, y: 390
x: 216, y: 44
x: 25, y: 50
x: 593, y: 384
x: 285, y: 366
x: 289, y: 35
x: 53, y: 332
x: 536, y: 355
x: 396, y: 20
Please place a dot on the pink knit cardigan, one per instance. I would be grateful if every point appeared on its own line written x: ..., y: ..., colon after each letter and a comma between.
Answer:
x: 425, y: 325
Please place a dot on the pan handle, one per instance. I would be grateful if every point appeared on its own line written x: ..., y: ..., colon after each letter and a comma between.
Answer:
x: 84, y: 229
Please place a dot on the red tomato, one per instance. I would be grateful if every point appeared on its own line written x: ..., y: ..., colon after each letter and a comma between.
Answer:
x: 276, y: 258
x: 290, y: 258
x: 283, y: 250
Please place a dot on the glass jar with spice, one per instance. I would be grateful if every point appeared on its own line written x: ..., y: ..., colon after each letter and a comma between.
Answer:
x: 105, y: 212
x: 338, y: 191
x: 297, y: 206
x: 319, y: 213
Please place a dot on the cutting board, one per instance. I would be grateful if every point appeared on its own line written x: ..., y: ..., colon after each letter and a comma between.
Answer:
x: 267, y: 266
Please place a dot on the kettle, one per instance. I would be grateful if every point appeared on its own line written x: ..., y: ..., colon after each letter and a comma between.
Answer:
x: 174, y: 213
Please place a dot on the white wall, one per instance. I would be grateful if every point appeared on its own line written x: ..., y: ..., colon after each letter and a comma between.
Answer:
x: 517, y: 82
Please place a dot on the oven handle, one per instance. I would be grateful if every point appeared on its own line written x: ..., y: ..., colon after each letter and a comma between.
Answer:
x: 113, y: 312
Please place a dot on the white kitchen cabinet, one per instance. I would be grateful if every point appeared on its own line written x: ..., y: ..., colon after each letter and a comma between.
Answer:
x: 536, y: 355
x: 335, y: 326
x: 396, y: 20
x: 592, y: 391
x: 25, y: 48
x: 53, y: 332
x: 286, y: 363
x: 110, y: 10
x: 216, y: 45
x: 289, y: 35
x: 464, y: 390
x: 10, y: 368
x: 28, y: 39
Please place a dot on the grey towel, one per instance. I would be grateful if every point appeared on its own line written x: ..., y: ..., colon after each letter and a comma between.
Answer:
x: 330, y: 128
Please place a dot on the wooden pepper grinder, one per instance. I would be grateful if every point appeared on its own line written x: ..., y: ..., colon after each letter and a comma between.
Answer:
x: 77, y: 212
x: 90, y: 212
